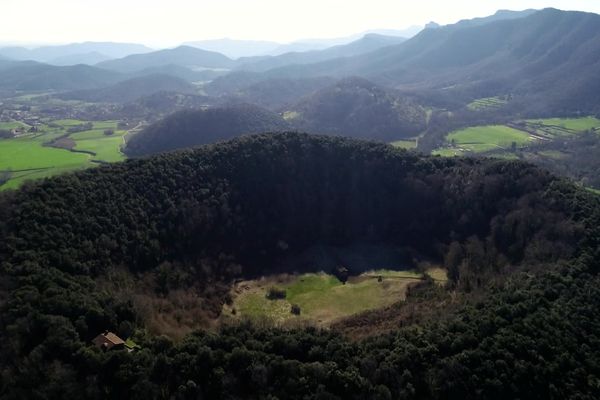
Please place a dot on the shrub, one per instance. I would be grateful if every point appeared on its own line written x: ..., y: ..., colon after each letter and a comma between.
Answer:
x: 276, y: 294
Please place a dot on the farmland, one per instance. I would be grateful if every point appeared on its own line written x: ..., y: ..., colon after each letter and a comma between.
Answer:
x: 497, y: 140
x: 405, y: 144
x: 321, y: 298
x: 53, y: 148
x: 488, y: 103
x: 483, y: 139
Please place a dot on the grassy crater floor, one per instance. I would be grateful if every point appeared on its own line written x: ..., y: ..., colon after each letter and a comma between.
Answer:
x: 322, y: 298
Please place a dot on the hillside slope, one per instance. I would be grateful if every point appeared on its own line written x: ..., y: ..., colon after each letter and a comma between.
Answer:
x: 183, y: 56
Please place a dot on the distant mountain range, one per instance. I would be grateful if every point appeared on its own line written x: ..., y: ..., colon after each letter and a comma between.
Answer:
x: 236, y: 48
x: 366, y: 44
x: 184, y: 56
x: 75, y: 53
x: 551, y: 56
x: 321, y: 44
x: 252, y: 48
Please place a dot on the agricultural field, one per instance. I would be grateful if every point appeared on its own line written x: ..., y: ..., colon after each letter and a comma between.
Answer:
x: 7, y: 126
x: 321, y: 298
x: 52, y: 150
x: 481, y: 139
x: 487, y: 103
x: 408, y: 144
x: 573, y: 125
x: 497, y: 140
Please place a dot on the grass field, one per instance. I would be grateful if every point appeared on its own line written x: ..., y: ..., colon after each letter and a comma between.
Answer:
x: 322, y: 298
x: 28, y: 157
x: 405, y: 144
x: 573, y: 124
x: 7, y: 126
x: 487, y: 103
x: 498, y: 139
x: 482, y: 139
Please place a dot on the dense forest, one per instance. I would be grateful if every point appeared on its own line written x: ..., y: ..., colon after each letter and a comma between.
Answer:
x: 578, y: 158
x: 79, y: 251
x: 358, y: 108
x: 194, y: 127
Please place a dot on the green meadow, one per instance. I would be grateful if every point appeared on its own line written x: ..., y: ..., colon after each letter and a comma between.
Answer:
x: 572, y: 124
x: 405, y: 144
x: 322, y: 298
x: 30, y: 157
x: 481, y: 139
x: 498, y: 139
x: 486, y: 103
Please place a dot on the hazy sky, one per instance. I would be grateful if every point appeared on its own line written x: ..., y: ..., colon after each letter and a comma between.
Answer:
x: 167, y: 23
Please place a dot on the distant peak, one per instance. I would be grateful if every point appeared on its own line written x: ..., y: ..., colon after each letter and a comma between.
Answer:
x: 432, y: 25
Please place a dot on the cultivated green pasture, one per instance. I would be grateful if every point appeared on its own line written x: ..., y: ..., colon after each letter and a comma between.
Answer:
x: 574, y: 124
x: 483, y: 139
x: 498, y: 139
x: 322, y: 298
x: 7, y: 126
x: 29, y: 157
x: 405, y: 144
x: 487, y: 103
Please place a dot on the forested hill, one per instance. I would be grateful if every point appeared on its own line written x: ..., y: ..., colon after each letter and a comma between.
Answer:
x: 195, y: 127
x: 132, y: 89
x: 112, y: 247
x: 358, y: 108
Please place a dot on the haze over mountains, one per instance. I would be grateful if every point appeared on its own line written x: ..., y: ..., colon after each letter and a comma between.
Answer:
x: 248, y: 48
x: 75, y: 53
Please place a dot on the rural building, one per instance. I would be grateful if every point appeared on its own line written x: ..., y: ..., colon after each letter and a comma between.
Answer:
x: 108, y: 341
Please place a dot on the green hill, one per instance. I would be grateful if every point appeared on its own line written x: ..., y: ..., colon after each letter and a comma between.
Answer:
x: 132, y: 89
x: 358, y: 108
x: 190, y: 128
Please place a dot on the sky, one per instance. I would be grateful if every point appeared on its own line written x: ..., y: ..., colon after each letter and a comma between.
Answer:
x: 169, y: 23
